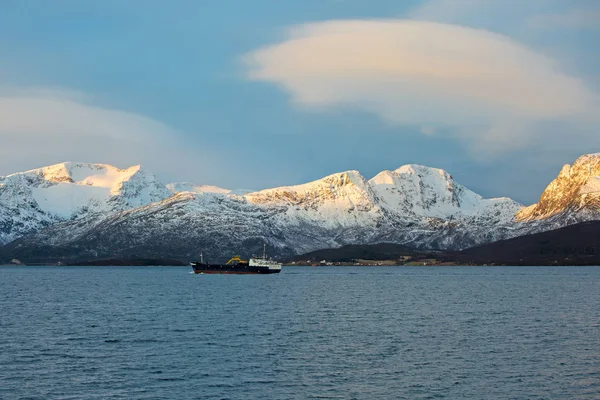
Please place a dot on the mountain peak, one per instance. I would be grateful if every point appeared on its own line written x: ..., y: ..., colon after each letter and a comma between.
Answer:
x: 419, y: 169
x: 420, y: 190
x: 575, y: 189
x: 342, y: 189
x: 69, y: 188
x: 90, y: 174
x: 588, y: 159
x: 339, y: 179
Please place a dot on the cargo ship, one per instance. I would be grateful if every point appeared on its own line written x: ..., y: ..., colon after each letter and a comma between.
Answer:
x: 255, y: 265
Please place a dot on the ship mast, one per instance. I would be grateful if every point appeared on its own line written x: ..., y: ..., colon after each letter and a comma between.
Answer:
x: 264, y: 251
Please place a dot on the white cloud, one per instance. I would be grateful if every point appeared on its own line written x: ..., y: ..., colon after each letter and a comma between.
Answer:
x: 41, y: 113
x: 436, y: 76
x: 43, y: 126
x: 46, y: 125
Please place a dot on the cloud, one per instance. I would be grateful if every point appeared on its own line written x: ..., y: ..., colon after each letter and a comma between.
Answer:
x: 42, y: 126
x: 440, y: 77
x: 42, y: 113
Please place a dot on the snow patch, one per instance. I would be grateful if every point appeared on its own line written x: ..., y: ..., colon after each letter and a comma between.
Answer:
x: 591, y: 186
x: 65, y: 200
x: 105, y: 177
x: 178, y: 187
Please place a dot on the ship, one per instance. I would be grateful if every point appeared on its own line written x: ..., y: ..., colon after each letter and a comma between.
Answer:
x: 255, y: 265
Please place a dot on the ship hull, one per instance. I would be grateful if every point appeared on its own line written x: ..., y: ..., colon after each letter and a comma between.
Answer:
x: 245, y: 269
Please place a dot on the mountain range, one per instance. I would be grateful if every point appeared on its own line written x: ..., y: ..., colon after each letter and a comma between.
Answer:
x: 79, y: 211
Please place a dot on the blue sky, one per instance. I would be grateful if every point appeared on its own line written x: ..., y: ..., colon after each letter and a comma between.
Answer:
x: 255, y: 94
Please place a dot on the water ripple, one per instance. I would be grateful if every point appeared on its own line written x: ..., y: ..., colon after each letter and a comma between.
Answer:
x: 319, y: 333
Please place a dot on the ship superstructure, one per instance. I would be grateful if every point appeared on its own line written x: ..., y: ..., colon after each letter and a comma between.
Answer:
x: 236, y: 265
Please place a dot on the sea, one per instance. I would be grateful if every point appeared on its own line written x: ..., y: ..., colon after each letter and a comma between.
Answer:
x: 306, y: 333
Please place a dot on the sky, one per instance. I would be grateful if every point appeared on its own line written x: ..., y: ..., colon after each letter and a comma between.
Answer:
x: 264, y: 93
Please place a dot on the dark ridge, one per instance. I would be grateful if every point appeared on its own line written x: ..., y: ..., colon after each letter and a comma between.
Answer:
x: 577, y: 244
x: 129, y: 262
x: 349, y: 253
x: 109, y: 244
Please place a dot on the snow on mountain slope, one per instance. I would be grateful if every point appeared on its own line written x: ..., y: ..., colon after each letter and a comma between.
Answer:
x: 430, y: 192
x: 89, y: 210
x: 178, y: 187
x: 39, y: 197
x: 19, y: 212
x: 411, y: 204
x: 416, y: 205
x: 591, y: 186
x: 344, y: 189
x: 337, y: 200
x: 573, y: 196
x: 181, y: 227
x: 67, y: 189
x: 337, y: 209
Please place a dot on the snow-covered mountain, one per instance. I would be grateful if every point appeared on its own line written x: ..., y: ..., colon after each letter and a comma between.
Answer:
x: 178, y: 187
x: 89, y: 210
x: 417, y: 205
x: 433, y: 193
x: 40, y: 197
x: 574, y: 196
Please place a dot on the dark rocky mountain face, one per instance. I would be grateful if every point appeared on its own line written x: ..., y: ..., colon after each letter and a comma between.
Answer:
x: 577, y: 244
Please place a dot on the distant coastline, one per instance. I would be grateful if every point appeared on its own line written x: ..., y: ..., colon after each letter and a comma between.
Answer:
x: 577, y: 244
x: 109, y: 262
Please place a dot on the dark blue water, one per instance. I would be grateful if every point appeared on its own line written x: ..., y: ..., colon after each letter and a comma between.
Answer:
x: 351, y: 333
